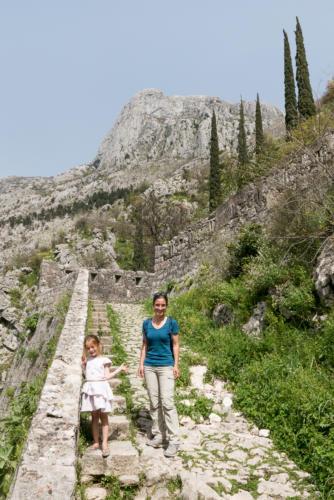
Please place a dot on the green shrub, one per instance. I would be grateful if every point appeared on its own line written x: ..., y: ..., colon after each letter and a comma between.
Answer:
x: 244, y: 249
x: 10, y: 392
x: 32, y: 354
x: 124, y: 251
x: 31, y: 322
x: 15, y: 297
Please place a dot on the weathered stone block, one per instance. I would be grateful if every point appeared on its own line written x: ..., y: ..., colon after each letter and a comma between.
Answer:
x: 119, y: 427
x: 123, y: 460
x: 119, y: 403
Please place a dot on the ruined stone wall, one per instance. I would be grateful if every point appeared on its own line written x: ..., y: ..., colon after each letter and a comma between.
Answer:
x: 24, y: 367
x: 48, y: 464
x: 310, y: 168
x: 120, y: 286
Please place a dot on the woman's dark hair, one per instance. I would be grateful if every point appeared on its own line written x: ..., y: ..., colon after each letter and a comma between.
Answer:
x: 158, y: 295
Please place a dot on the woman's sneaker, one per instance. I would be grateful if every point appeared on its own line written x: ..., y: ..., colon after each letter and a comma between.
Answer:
x: 171, y: 450
x: 156, y: 442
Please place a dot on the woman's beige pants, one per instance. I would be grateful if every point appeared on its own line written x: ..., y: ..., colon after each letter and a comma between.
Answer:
x: 160, y: 388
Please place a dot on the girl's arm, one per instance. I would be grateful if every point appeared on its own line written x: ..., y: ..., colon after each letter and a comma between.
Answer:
x: 176, y: 352
x: 108, y: 374
x: 142, y: 358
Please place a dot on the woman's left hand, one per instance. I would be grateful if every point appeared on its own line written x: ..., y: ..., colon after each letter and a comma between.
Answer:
x: 176, y: 372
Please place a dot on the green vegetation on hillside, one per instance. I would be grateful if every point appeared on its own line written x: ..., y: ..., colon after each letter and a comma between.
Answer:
x: 283, y: 379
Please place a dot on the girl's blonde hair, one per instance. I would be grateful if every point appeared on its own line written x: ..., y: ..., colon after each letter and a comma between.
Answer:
x: 93, y: 338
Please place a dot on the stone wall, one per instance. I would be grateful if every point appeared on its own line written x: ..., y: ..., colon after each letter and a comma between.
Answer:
x: 53, y: 285
x: 119, y: 286
x: 48, y: 464
x: 184, y: 253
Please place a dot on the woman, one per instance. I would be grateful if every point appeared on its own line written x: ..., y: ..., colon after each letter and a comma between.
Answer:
x: 159, y: 364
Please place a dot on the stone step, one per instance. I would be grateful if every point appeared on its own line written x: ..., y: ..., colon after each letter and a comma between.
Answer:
x: 114, y: 383
x: 118, y: 403
x: 122, y: 461
x: 107, y: 340
x: 97, y: 329
x: 119, y: 427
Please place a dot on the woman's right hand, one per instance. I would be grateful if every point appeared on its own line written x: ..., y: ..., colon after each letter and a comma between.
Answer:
x: 141, y: 371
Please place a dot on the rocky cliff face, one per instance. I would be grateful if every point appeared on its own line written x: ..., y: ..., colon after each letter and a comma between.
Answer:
x: 154, y: 126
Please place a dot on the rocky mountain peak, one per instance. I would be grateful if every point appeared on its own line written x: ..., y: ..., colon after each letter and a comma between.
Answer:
x: 153, y: 126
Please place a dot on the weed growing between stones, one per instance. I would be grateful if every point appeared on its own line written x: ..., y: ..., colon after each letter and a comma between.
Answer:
x: 115, y: 490
x: 174, y: 485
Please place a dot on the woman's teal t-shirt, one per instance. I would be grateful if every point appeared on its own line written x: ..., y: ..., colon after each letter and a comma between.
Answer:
x: 159, y: 343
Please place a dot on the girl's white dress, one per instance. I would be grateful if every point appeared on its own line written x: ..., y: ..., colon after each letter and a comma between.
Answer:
x: 96, y: 395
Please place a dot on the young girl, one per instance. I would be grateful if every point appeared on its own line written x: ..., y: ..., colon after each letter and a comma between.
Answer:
x: 96, y: 391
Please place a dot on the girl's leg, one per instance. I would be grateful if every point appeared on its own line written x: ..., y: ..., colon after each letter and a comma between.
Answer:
x: 95, y: 426
x: 105, y: 430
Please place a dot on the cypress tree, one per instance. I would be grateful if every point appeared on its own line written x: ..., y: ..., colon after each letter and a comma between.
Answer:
x: 291, y: 114
x: 214, y: 178
x: 306, y: 105
x: 258, y: 127
x: 242, y: 143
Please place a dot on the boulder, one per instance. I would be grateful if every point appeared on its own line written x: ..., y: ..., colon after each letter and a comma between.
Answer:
x: 256, y: 322
x: 324, y: 273
x: 222, y: 314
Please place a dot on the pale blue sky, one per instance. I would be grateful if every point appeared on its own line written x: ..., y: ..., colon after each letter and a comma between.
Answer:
x: 69, y: 66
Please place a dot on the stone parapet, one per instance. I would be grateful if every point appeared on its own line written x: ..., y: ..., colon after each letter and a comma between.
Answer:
x: 48, y: 464
x: 120, y: 286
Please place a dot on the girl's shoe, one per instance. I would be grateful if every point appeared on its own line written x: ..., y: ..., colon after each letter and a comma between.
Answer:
x: 105, y: 452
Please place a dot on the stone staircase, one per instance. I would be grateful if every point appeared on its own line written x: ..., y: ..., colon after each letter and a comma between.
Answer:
x: 123, y: 460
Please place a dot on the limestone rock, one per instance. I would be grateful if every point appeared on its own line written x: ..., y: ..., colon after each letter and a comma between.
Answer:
x: 196, y: 376
x: 222, y: 314
x: 95, y: 493
x: 153, y: 126
x: 9, y: 338
x: 65, y: 256
x: 275, y: 489
x: 241, y: 495
x: 256, y: 322
x: 324, y: 274
x: 4, y: 300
